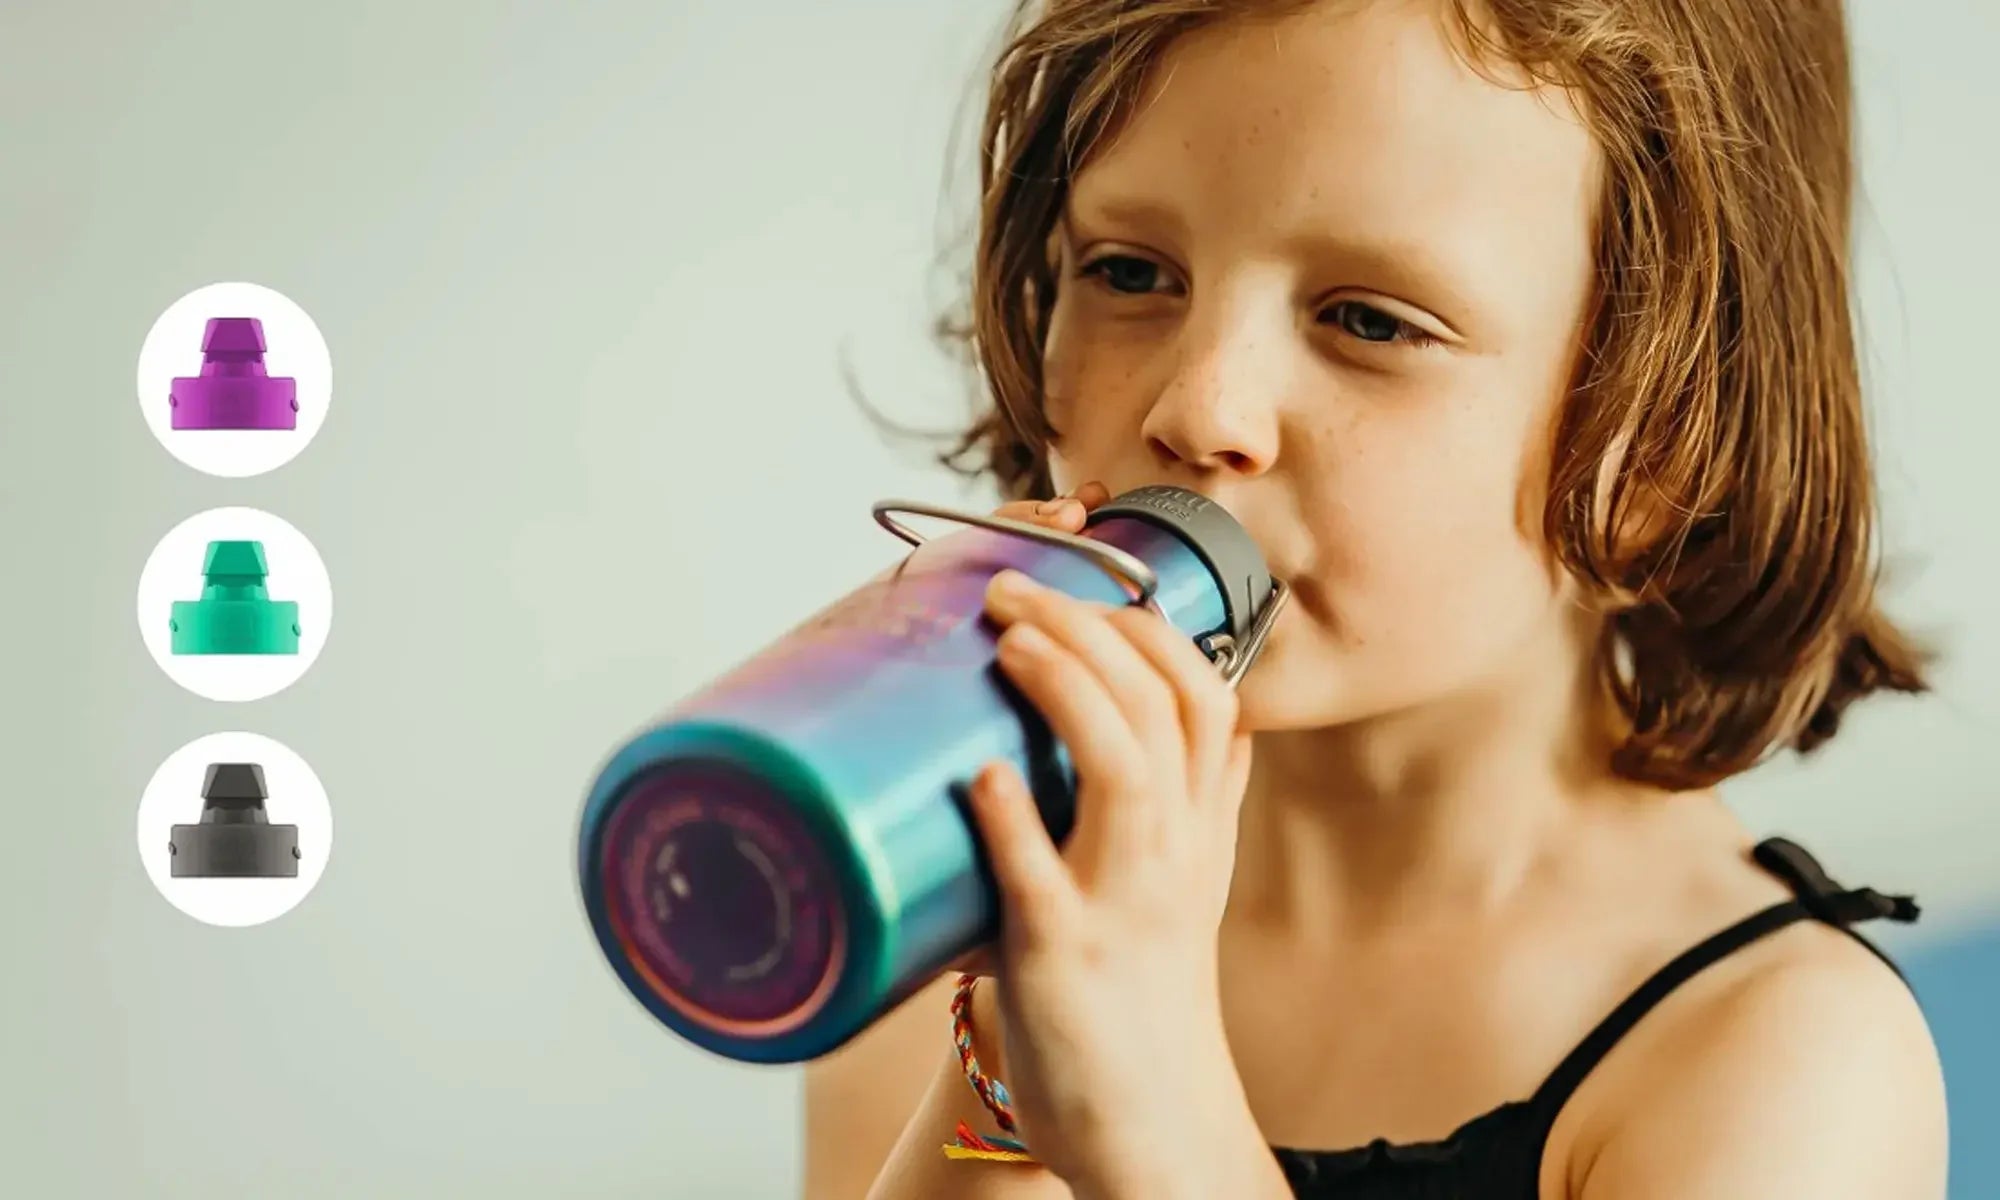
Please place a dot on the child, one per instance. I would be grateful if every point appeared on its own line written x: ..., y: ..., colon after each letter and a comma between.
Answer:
x: 1518, y: 334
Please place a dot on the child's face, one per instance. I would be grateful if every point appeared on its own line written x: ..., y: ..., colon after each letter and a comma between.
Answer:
x: 1335, y: 280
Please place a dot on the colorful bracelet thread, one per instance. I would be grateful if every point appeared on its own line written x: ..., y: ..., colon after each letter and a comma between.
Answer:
x: 991, y: 1092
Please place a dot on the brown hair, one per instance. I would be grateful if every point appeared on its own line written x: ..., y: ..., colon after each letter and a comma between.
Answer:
x: 1711, y: 485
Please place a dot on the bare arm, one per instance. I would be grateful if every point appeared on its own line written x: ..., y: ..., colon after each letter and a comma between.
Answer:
x: 1228, y: 1156
x: 1817, y: 1078
x: 859, y: 1098
x: 917, y: 1168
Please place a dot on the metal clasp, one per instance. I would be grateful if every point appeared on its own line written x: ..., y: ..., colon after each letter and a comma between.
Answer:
x: 1232, y: 658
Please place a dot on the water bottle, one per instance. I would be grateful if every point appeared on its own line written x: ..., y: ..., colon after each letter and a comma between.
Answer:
x: 787, y: 854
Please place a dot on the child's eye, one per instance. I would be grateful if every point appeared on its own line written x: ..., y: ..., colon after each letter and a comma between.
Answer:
x: 1124, y: 273
x: 1371, y: 324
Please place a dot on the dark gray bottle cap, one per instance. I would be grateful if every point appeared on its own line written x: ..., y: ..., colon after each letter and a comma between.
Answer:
x: 1224, y: 545
x: 235, y: 838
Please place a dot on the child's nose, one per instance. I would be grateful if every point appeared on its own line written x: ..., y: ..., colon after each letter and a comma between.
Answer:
x: 1218, y: 411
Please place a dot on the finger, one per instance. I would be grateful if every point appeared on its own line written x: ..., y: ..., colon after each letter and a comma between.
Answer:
x: 1114, y: 771
x: 1061, y: 514
x: 1086, y: 631
x: 1206, y: 706
x: 1086, y: 497
x: 1077, y: 505
x: 1036, y: 889
x: 1092, y: 494
x: 1069, y: 509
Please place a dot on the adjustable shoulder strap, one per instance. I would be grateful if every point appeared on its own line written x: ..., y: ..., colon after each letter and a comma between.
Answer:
x: 1815, y: 896
x: 1828, y: 901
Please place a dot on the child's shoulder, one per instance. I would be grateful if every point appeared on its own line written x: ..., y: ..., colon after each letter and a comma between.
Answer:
x: 1803, y: 1051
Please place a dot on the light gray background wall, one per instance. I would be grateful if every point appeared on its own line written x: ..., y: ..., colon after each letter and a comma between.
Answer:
x: 586, y: 273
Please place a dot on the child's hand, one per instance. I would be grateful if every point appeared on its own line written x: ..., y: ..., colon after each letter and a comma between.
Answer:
x: 1109, y: 993
x: 1067, y: 514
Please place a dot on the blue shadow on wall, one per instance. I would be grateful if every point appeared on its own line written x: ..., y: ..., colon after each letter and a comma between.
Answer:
x: 1959, y: 985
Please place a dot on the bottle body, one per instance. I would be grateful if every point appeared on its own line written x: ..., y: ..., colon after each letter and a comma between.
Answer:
x: 788, y: 855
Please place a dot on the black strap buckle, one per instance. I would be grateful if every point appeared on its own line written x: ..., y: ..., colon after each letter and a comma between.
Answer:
x: 1823, y: 897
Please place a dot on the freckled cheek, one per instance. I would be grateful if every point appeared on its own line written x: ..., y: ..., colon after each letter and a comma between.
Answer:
x: 1096, y: 391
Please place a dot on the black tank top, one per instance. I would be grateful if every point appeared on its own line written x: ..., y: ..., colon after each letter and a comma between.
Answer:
x: 1498, y: 1155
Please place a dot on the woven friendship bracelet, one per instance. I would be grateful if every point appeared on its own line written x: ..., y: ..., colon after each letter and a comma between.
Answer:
x: 991, y: 1092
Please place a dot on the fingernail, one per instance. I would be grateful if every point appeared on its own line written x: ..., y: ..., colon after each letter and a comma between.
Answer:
x: 1023, y: 640
x: 1009, y: 583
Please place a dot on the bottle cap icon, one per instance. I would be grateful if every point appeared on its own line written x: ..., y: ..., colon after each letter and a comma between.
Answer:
x: 234, y: 838
x: 235, y: 615
x: 234, y: 391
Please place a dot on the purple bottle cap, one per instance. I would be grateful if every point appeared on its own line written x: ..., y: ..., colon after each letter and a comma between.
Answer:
x: 233, y: 390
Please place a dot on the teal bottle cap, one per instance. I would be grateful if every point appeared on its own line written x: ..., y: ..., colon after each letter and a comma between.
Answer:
x: 235, y: 615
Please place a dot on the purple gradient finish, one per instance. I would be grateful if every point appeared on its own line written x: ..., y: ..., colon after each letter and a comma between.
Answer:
x: 859, y: 728
x: 234, y: 391
x: 722, y: 895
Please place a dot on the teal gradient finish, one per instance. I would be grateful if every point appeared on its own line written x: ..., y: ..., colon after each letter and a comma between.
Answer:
x: 865, y: 723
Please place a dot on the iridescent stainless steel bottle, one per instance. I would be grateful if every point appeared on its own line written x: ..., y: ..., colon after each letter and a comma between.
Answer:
x: 786, y: 855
